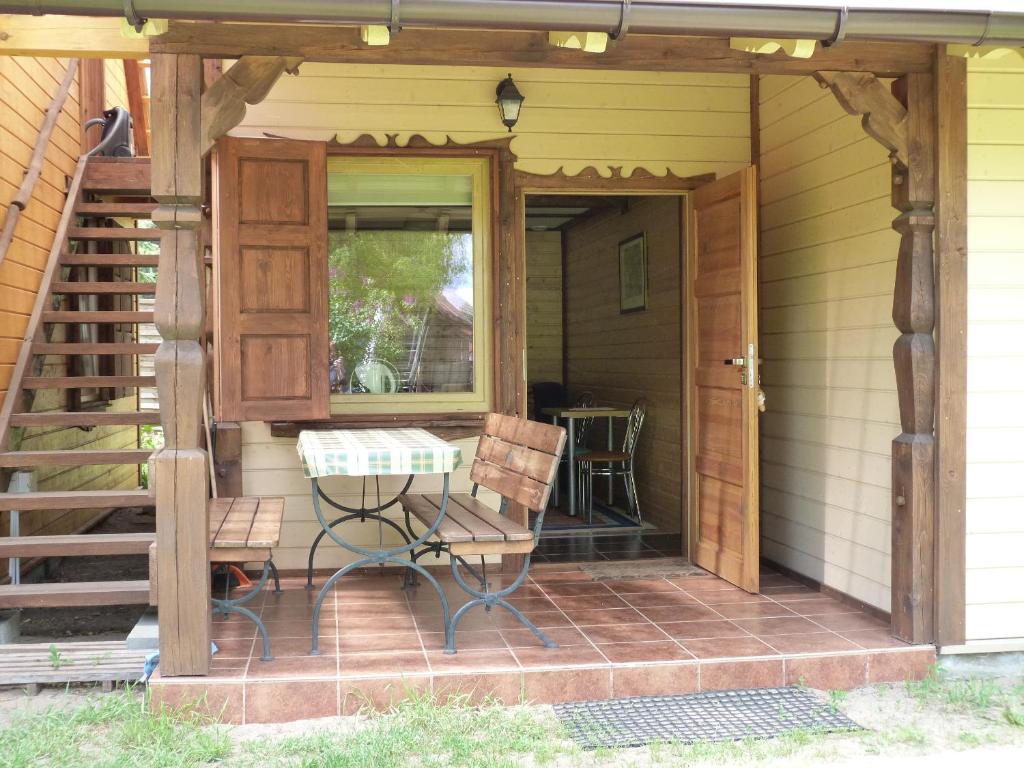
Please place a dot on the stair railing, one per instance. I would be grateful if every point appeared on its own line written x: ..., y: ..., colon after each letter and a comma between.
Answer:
x: 35, y: 166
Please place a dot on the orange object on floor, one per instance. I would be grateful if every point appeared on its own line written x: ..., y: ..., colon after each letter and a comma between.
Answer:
x: 243, y: 580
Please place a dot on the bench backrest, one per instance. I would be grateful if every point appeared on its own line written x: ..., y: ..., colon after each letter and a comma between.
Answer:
x: 518, y: 459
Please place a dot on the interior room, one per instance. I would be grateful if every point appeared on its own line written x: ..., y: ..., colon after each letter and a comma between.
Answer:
x: 604, y: 331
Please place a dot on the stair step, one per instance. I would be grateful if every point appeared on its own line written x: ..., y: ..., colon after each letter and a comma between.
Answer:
x: 109, y: 260
x: 27, y: 502
x: 72, y: 458
x: 113, y: 233
x: 138, y: 210
x: 118, y: 176
x: 77, y: 545
x: 79, y: 382
x: 93, y: 348
x: 90, y: 288
x: 67, y: 316
x: 74, y: 594
x: 83, y: 419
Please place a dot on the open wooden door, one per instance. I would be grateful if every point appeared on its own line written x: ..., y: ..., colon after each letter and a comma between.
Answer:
x: 723, y: 381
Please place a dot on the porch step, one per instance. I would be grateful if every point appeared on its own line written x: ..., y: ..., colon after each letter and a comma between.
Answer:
x: 77, y: 545
x: 76, y: 593
x: 118, y: 176
x: 95, y: 662
x: 109, y: 260
x: 72, y: 458
x: 80, y: 382
x: 113, y: 233
x: 93, y: 348
x: 136, y: 210
x: 28, y: 502
x: 84, y: 419
x: 103, y: 288
x: 71, y: 316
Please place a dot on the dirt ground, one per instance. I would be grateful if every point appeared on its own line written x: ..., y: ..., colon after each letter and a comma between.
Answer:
x: 94, y: 623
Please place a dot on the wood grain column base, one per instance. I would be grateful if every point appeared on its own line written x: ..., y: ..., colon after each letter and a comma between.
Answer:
x: 913, y: 524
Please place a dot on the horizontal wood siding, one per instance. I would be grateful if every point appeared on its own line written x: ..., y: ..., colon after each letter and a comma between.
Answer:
x: 995, y: 351
x: 116, y: 92
x: 827, y: 268
x: 690, y: 123
x: 543, y: 306
x: 27, y: 86
x: 620, y: 357
x: 683, y: 122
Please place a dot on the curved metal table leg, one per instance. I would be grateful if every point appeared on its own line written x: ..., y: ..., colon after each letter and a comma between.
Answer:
x: 238, y: 606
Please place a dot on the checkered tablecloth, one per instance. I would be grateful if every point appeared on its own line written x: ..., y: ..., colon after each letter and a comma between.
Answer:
x: 358, y: 452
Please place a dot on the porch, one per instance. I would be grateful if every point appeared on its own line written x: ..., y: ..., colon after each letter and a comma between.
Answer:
x: 617, y: 638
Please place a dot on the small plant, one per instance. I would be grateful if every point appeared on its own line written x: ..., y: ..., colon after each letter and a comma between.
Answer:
x: 969, y: 739
x: 1013, y: 717
x: 57, y: 659
x: 835, y: 699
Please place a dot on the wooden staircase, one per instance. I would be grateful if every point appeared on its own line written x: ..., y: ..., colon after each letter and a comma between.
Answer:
x: 83, y: 279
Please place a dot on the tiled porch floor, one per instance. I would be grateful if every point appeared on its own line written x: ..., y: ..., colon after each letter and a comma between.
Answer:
x: 617, y: 638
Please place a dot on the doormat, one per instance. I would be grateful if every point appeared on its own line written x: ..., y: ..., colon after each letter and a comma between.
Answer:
x: 660, y: 568
x: 604, y: 518
x: 756, y: 713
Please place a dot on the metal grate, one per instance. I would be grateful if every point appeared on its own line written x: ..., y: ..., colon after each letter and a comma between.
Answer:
x: 760, y: 713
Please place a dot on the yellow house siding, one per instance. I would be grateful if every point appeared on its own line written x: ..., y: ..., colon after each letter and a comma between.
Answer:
x: 690, y: 123
x: 827, y: 268
x: 684, y: 122
x: 113, y: 82
x: 995, y: 350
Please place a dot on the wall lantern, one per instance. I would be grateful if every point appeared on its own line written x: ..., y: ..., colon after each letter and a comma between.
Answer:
x: 509, y: 101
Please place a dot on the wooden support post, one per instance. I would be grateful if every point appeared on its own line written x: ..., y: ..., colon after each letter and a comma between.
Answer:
x: 182, y: 482
x: 91, y: 88
x: 913, y: 312
x: 951, y: 300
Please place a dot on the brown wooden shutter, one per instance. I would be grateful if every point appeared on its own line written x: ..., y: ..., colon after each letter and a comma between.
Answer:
x: 271, y: 276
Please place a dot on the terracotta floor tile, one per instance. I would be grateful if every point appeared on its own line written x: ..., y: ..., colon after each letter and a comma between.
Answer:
x: 233, y: 630
x: 797, y: 592
x: 817, y: 607
x: 381, y: 693
x: 502, y: 619
x: 740, y: 673
x: 532, y: 603
x: 304, y: 667
x: 627, y: 653
x: 605, y: 616
x: 655, y: 680
x: 583, y: 603
x: 659, y: 599
x: 722, y: 597
x: 641, y: 586
x: 223, y: 701
x: 472, y: 661
x: 828, y: 672
x: 558, y: 686
x: 480, y: 687
x: 559, y: 573
x: 524, y: 638
x: 680, y: 613
x: 383, y: 664
x: 873, y: 638
x: 579, y: 589
x: 539, y: 657
x: 900, y: 665
x: 727, y: 647
x: 374, y: 625
x: 624, y: 633
x: 296, y: 646
x: 839, y: 622
x: 821, y: 642
x: 299, y: 629
x: 702, y: 629
x: 268, y: 702
x: 785, y: 625
x: 753, y: 610
x: 396, y: 641
x: 234, y: 647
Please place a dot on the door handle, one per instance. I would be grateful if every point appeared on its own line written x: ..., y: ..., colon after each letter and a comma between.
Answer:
x: 739, y: 361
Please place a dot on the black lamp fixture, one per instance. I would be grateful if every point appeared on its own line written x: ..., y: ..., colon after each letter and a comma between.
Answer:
x: 509, y: 101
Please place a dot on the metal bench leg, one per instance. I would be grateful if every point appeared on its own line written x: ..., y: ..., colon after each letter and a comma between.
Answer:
x: 238, y: 606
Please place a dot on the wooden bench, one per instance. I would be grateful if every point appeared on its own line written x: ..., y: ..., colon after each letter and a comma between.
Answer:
x: 516, y: 459
x: 245, y: 529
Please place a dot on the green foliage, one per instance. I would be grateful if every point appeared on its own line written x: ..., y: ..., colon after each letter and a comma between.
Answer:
x: 151, y: 437
x: 57, y: 659
x: 382, y: 284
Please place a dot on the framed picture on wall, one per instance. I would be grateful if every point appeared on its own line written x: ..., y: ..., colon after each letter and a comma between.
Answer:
x: 633, y: 274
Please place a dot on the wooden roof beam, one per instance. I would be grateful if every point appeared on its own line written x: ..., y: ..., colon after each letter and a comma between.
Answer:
x: 883, y: 116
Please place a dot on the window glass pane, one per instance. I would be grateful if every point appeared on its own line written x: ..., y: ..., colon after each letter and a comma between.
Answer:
x: 401, y: 283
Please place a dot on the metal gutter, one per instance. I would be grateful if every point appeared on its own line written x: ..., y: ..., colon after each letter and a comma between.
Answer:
x: 653, y: 17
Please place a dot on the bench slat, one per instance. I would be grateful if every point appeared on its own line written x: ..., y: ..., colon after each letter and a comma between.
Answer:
x: 237, y: 524
x: 518, y: 488
x: 420, y: 508
x: 520, y: 459
x: 532, y: 434
x: 266, y: 525
x: 218, y: 512
x: 507, y: 529
x: 480, y: 529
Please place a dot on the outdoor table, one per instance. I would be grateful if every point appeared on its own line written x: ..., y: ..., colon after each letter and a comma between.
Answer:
x: 570, y: 414
x: 361, y: 453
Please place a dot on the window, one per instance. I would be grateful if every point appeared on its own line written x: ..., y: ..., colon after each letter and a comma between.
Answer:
x: 408, y: 267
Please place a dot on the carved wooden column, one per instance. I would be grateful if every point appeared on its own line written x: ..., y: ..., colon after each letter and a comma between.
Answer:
x: 913, y: 312
x: 182, y: 482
